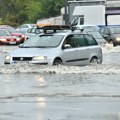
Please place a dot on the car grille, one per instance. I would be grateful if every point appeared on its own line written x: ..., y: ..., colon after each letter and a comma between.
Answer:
x: 11, y: 40
x: 22, y: 58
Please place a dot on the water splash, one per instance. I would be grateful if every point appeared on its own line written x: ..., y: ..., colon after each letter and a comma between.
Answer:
x: 91, y: 69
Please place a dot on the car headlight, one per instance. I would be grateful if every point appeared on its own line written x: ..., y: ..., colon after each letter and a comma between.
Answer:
x: 37, y: 58
x: 118, y: 39
x: 23, y: 36
x: 7, y: 57
x: 2, y: 39
x: 17, y: 38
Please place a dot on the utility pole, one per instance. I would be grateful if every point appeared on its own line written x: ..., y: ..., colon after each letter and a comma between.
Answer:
x: 66, y: 12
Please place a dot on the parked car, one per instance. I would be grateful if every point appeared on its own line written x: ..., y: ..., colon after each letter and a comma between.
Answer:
x: 111, y: 34
x: 23, y: 28
x: 14, y: 32
x: 7, y: 38
x: 33, y: 31
x: 57, y: 48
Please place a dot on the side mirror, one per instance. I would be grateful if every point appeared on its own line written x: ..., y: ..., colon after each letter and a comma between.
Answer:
x: 66, y: 46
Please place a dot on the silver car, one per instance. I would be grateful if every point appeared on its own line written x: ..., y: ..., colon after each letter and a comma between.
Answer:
x: 63, y: 48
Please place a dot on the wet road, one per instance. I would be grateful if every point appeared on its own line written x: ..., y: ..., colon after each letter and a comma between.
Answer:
x: 30, y: 92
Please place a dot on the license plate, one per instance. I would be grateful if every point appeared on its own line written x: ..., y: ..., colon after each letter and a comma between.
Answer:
x: 12, y: 43
x: 20, y: 62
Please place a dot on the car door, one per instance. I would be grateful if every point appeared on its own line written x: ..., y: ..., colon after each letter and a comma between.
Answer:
x: 94, y: 49
x: 83, y: 50
x: 70, y: 54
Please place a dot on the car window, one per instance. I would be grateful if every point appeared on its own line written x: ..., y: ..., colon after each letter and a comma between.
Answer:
x: 107, y: 31
x: 72, y: 41
x: 101, y: 30
x: 91, y: 40
x: 82, y: 20
x: 4, y: 33
x: 29, y: 30
x: 75, y: 22
x: 38, y: 31
x: 33, y: 30
x: 24, y: 26
x: 81, y: 40
x: 115, y: 30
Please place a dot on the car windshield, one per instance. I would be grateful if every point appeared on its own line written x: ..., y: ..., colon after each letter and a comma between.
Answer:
x: 115, y: 30
x: 43, y: 41
x: 4, y: 33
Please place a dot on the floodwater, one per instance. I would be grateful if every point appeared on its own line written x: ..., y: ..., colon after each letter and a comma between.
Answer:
x: 33, y: 92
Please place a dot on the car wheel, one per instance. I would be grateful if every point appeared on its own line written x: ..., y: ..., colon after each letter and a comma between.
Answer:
x: 114, y: 45
x: 57, y: 62
x: 94, y: 60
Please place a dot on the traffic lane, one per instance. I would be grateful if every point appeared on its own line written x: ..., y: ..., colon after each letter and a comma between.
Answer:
x: 59, y: 97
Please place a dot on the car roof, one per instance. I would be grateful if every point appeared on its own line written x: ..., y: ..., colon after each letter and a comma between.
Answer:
x: 60, y: 30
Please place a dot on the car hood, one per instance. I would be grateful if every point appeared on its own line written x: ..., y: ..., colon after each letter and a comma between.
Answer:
x: 7, y: 37
x: 17, y: 34
x: 30, y: 52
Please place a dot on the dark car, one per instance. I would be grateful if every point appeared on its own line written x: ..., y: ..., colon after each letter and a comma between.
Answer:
x: 111, y: 34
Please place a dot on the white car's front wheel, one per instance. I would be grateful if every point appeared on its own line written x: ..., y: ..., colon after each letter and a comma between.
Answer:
x: 94, y: 60
x: 57, y: 62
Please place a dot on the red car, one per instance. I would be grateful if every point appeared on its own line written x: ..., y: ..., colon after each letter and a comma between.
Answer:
x: 7, y: 38
x: 14, y: 32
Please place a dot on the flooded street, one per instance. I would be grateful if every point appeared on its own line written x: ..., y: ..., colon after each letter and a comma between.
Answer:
x: 33, y: 92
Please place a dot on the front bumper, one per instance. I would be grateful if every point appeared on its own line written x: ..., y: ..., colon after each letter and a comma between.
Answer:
x: 9, y: 42
x: 27, y: 62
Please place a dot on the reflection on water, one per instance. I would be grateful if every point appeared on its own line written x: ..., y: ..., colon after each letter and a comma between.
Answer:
x: 27, y: 86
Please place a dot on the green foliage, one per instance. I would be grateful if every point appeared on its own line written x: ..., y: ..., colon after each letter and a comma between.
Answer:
x: 16, y: 12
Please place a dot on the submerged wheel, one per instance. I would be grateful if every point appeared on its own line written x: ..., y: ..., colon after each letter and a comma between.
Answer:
x: 94, y: 60
x: 57, y: 62
x: 114, y: 45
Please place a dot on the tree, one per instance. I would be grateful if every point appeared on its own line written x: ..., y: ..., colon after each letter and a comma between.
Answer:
x: 51, y: 8
x: 16, y: 12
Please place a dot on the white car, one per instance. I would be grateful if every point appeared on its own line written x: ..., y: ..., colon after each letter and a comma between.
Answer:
x: 77, y: 23
x: 23, y: 28
x: 62, y: 48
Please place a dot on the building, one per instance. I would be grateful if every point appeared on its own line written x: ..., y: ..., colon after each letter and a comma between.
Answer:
x: 112, y: 7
